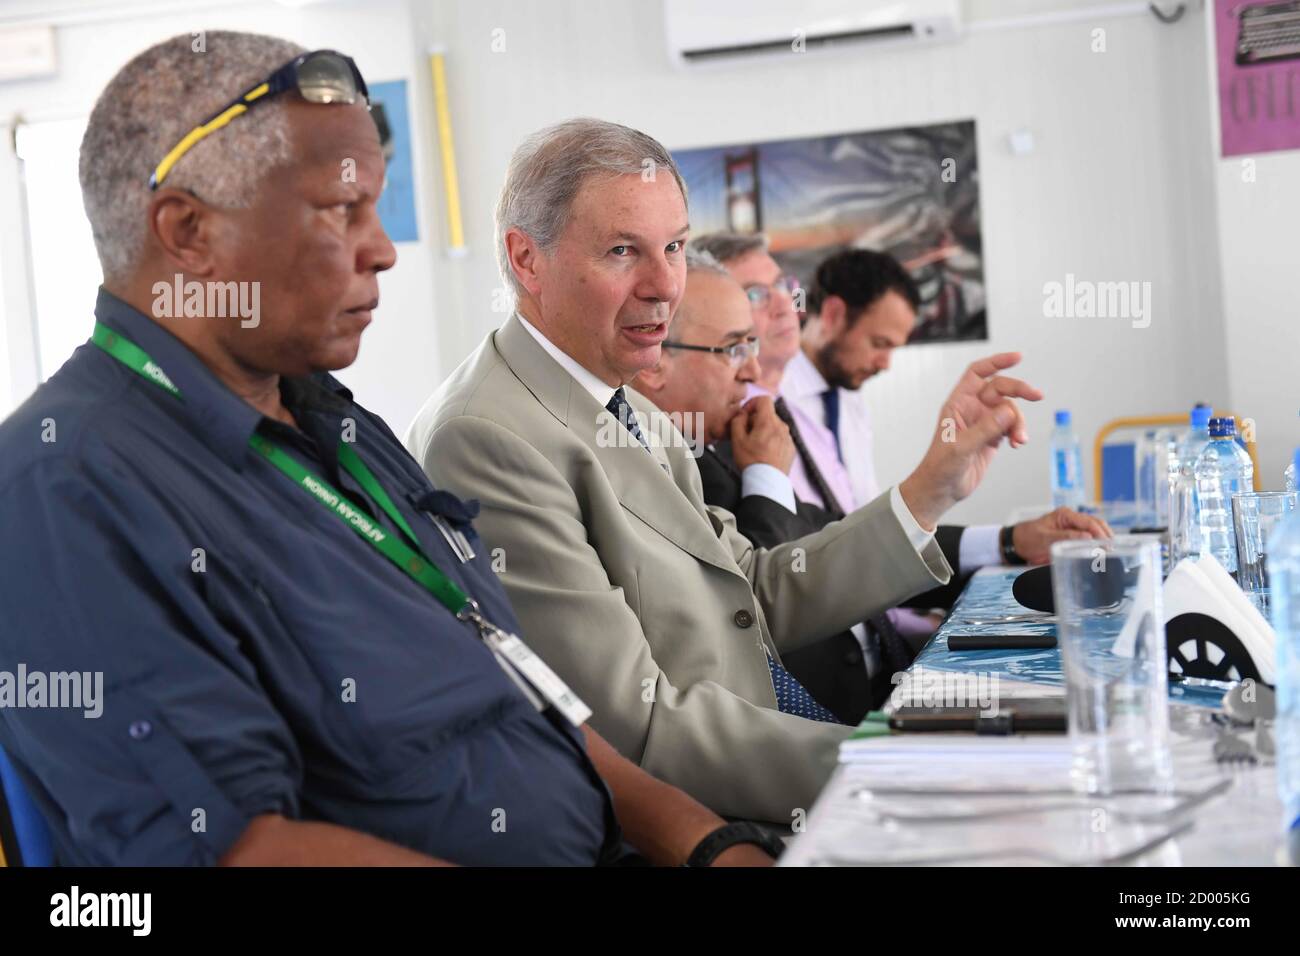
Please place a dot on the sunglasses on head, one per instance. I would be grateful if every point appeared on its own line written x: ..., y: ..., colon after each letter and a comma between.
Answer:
x: 321, y: 76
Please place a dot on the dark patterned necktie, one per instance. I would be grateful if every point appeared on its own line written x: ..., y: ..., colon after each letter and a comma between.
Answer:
x: 793, y: 698
x: 895, y: 653
x: 829, y: 501
x: 619, y: 407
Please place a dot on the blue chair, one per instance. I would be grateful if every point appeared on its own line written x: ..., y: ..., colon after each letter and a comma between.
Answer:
x: 24, y: 837
x: 1118, y: 481
x: 1113, y: 459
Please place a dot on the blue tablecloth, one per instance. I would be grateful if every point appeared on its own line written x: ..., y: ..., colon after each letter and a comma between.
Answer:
x: 987, y: 597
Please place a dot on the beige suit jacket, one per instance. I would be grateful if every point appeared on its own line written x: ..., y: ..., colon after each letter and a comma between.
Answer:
x: 652, y: 606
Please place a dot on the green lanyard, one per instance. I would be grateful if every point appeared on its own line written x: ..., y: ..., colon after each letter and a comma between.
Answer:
x: 412, y: 562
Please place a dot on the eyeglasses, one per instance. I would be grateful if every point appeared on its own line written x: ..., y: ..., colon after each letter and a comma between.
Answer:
x: 321, y: 76
x: 737, y: 354
x: 761, y: 295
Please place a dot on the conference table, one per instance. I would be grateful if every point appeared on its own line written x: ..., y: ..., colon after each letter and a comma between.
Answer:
x: 964, y: 799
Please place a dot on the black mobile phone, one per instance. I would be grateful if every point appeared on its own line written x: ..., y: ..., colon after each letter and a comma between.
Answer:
x: 1017, y: 716
x: 1000, y: 642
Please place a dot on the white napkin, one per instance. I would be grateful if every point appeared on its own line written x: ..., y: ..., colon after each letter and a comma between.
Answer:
x: 1203, y: 587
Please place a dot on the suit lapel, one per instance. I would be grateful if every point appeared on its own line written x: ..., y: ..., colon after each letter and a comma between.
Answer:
x: 638, y: 479
x: 721, y: 454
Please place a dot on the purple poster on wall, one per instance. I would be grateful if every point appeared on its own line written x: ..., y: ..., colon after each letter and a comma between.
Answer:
x: 1258, y: 52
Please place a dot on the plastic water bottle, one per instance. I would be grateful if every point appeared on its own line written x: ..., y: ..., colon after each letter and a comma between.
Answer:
x: 1223, y: 469
x: 1284, y: 583
x: 1067, y: 464
x: 1197, y: 434
x: 1289, y: 477
x: 1154, y: 468
x: 1184, y: 521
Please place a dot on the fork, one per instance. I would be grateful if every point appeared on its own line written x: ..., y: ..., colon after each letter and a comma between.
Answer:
x: 1047, y: 856
x: 1229, y: 748
x: 1186, y: 802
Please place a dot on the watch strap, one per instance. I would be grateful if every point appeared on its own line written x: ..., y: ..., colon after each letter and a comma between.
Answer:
x: 1008, y: 548
x: 732, y: 834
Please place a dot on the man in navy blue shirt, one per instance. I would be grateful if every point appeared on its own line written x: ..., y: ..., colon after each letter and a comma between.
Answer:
x: 276, y: 597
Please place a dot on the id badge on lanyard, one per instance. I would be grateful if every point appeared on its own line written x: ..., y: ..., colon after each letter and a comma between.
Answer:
x: 541, y: 685
x: 528, y: 670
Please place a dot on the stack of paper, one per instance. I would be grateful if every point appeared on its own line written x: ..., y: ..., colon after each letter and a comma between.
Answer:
x: 963, y: 762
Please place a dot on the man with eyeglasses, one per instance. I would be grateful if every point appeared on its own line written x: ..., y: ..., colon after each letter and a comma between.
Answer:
x: 870, y: 309
x: 708, y: 369
x: 849, y: 672
x: 772, y: 298
x: 650, y: 605
x: 306, y: 657
x: 705, y: 370
x: 771, y: 294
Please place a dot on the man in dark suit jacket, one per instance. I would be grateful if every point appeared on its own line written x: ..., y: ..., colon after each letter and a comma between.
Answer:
x: 833, y: 670
x: 767, y: 523
x: 750, y: 475
x: 861, y: 306
x: 848, y: 673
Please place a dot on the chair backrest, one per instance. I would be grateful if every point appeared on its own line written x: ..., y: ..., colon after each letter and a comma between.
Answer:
x: 1113, y: 458
x: 1117, y: 481
x: 24, y: 836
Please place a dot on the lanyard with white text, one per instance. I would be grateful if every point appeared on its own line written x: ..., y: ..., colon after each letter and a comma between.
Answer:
x: 413, y: 563
x: 416, y: 565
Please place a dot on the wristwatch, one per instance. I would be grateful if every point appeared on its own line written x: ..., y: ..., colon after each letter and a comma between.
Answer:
x: 729, y: 835
x: 1009, y: 555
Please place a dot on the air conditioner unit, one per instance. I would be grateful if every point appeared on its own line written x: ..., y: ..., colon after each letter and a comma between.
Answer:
x: 731, y: 30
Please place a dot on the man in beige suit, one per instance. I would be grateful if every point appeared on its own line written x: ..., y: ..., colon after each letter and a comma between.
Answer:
x: 653, y: 608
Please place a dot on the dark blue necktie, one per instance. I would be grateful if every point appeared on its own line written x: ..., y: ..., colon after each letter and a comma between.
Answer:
x: 793, y: 698
x: 831, y: 399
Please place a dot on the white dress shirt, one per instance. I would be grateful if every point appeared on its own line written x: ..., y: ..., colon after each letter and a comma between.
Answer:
x: 757, y: 479
x: 601, y: 392
x: 760, y: 478
x: 775, y: 486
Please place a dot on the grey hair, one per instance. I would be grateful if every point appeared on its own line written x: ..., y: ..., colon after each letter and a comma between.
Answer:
x: 552, y: 164
x: 698, y: 260
x: 149, y: 106
x: 726, y: 246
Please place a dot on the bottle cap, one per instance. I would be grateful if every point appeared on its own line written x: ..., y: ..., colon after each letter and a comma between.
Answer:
x: 1223, y: 427
x: 1200, y: 416
x: 1063, y: 416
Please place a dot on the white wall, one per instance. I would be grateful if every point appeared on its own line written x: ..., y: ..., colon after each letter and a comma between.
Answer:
x: 1119, y: 187
x: 1124, y: 184
x: 392, y: 375
x: 1261, y: 304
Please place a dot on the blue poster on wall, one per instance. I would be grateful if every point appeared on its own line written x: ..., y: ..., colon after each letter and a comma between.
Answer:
x: 397, y: 204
